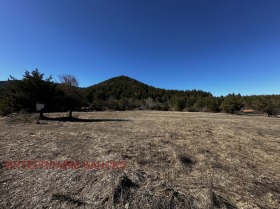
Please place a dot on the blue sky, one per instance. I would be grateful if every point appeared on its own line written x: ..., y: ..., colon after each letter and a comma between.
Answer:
x: 221, y: 46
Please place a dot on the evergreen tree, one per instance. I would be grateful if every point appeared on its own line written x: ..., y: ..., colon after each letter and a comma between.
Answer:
x: 232, y: 103
x: 180, y: 104
x: 24, y: 94
x: 268, y: 104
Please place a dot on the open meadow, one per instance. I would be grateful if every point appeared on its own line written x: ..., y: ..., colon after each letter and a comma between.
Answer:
x: 169, y: 160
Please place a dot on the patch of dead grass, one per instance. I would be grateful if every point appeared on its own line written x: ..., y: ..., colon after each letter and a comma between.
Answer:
x: 174, y: 160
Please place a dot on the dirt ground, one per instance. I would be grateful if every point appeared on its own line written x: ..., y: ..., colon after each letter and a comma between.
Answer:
x: 173, y: 160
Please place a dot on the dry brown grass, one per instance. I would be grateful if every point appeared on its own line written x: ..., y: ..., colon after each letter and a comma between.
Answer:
x: 174, y: 160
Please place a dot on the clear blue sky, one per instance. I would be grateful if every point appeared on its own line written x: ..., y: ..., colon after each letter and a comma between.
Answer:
x: 221, y: 46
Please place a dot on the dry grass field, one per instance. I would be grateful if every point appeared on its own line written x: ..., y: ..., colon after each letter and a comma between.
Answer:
x: 174, y: 160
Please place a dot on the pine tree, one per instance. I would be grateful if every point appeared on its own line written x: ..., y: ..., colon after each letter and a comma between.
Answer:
x: 232, y: 103
x: 22, y: 95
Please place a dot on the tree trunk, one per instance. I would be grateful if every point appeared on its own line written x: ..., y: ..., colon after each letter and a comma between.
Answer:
x: 41, y: 114
x: 70, y: 113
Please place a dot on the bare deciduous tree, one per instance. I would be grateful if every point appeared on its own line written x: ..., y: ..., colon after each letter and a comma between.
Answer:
x: 69, y: 85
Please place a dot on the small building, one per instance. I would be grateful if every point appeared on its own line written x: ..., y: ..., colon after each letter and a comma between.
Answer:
x: 248, y: 111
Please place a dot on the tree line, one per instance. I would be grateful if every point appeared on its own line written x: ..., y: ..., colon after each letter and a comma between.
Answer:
x: 120, y: 93
x: 23, y: 95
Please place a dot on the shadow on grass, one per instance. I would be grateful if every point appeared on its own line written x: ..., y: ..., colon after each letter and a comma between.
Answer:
x: 72, y: 119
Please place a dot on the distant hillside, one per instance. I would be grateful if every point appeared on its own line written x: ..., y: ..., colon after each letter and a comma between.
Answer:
x: 121, y: 87
x: 127, y: 93
x: 3, y: 83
